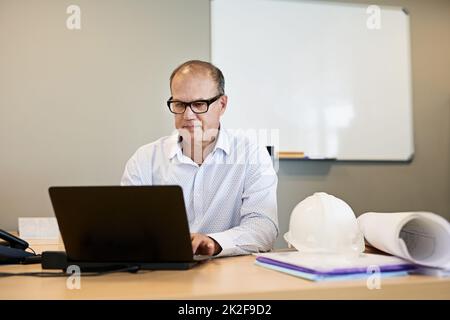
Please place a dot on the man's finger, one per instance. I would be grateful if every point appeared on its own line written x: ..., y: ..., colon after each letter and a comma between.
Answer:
x: 202, y: 247
x: 196, y: 241
x: 207, y: 246
x: 210, y: 248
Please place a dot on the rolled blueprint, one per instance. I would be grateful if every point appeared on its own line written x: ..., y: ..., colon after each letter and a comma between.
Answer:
x: 420, y: 237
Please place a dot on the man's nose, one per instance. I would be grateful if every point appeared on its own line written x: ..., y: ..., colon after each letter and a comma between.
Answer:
x: 188, y: 114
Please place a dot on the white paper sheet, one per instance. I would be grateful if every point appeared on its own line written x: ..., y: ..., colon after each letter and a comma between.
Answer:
x: 42, y: 228
x: 420, y: 237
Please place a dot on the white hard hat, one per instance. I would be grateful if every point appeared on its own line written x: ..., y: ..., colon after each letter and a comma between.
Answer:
x: 322, y: 223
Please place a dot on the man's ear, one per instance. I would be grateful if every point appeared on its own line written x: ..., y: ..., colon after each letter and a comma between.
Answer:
x: 223, y: 104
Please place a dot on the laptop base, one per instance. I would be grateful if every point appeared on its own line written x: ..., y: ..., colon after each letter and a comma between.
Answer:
x: 58, y: 260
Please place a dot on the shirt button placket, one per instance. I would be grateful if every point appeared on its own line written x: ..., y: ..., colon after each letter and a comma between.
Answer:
x: 198, y: 188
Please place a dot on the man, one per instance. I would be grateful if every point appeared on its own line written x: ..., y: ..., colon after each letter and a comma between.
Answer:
x: 228, y: 181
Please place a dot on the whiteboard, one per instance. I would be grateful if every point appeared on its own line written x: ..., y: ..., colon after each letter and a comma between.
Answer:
x: 324, y: 79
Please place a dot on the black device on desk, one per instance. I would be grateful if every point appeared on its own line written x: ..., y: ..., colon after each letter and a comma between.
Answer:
x: 106, y: 227
x: 12, y: 250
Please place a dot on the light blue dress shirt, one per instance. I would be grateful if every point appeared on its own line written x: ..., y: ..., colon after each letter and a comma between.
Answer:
x: 231, y: 196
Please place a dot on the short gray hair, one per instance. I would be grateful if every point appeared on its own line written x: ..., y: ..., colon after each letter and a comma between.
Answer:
x: 212, y: 70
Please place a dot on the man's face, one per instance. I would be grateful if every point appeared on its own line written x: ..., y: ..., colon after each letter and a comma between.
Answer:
x: 188, y: 86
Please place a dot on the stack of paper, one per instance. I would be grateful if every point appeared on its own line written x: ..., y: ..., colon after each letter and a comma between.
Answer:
x: 318, y: 267
x: 418, y: 241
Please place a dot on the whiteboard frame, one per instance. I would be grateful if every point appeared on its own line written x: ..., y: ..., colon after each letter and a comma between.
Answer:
x: 409, y: 144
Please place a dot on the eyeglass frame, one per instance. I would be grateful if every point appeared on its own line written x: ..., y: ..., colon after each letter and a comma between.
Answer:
x: 186, y: 104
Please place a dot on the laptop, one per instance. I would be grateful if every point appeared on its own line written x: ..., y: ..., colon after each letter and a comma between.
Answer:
x: 115, y: 226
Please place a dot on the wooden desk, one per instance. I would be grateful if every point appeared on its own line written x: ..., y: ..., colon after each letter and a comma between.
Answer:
x: 223, y: 278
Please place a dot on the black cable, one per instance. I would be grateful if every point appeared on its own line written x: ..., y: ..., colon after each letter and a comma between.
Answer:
x: 34, y: 252
x: 44, y: 274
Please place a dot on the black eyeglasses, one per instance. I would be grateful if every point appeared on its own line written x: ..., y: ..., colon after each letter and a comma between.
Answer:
x: 197, y: 106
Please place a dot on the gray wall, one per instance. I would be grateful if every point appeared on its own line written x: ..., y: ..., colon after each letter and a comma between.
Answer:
x: 74, y: 105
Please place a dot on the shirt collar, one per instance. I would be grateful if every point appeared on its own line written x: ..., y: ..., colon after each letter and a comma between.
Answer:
x: 174, y: 147
x: 174, y: 144
x: 223, y: 141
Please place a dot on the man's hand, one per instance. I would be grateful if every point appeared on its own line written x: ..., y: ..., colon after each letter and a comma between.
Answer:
x: 204, y: 245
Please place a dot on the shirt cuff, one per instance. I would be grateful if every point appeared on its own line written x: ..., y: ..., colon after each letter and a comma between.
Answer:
x: 225, y: 241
